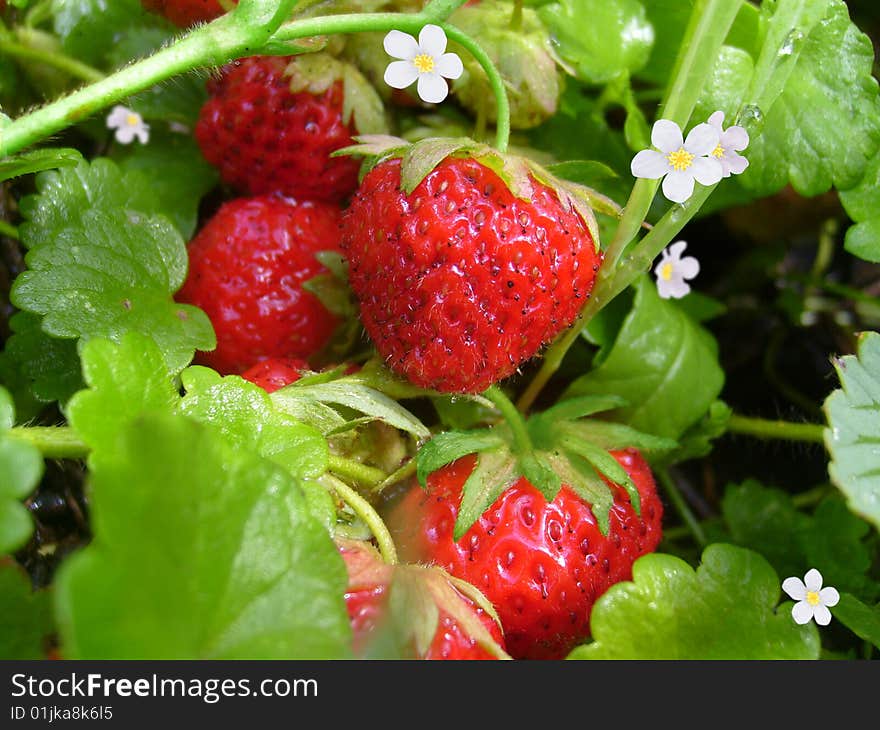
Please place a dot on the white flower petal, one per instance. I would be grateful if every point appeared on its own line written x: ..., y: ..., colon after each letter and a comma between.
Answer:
x: 678, y: 186
x: 813, y: 580
x: 702, y: 139
x: 822, y: 615
x: 666, y: 136
x: 829, y: 596
x: 675, y: 288
x: 802, y: 612
x: 117, y: 117
x: 432, y: 88
x: 432, y: 40
x: 143, y: 133
x: 706, y: 170
x: 449, y: 65
x: 795, y: 588
x: 676, y: 250
x: 401, y: 45
x: 125, y: 135
x: 688, y: 267
x: 735, y: 138
x: 734, y: 163
x: 400, y: 74
x: 649, y: 164
x: 716, y: 120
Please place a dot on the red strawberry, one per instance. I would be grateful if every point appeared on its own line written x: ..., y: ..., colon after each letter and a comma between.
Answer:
x: 247, y: 267
x: 542, y: 565
x: 271, y: 123
x: 462, y: 280
x: 184, y: 13
x: 275, y: 372
x: 461, y: 629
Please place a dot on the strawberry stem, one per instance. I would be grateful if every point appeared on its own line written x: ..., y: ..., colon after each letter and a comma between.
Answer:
x: 60, y: 61
x: 681, y: 506
x: 8, y: 230
x: 370, y: 517
x: 53, y: 442
x: 768, y: 429
x: 521, y: 439
x: 363, y: 474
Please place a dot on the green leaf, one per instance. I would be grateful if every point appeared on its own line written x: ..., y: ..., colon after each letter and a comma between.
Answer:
x: 726, y: 86
x: 862, y: 620
x: 862, y: 203
x: 852, y: 437
x: 37, y: 161
x: 50, y: 366
x: 495, y: 471
x: 662, y: 363
x: 21, y: 467
x: 112, y: 273
x: 814, y: 87
x: 600, y: 39
x: 244, y: 414
x: 832, y: 539
x: 88, y: 28
x: 25, y: 616
x: 200, y: 550
x: 125, y: 380
x: 726, y: 609
x: 178, y: 173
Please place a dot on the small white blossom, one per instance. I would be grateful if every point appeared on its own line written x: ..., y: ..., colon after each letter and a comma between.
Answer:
x: 812, y: 599
x: 731, y: 141
x: 672, y: 271
x: 679, y: 161
x: 424, y: 60
x: 128, y: 125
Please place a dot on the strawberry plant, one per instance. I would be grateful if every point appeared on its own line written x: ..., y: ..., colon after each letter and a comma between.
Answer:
x: 512, y: 329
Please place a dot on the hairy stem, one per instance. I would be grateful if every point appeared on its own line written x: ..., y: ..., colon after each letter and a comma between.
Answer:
x: 363, y: 474
x: 681, y: 506
x: 513, y: 417
x: 54, y: 442
x: 785, y: 430
x: 370, y: 517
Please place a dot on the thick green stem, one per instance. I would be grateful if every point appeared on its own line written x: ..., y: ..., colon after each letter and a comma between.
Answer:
x: 513, y: 417
x: 681, y: 506
x: 404, y: 472
x: 361, y: 473
x: 370, y: 517
x: 8, y: 230
x: 785, y: 430
x: 68, y: 65
x: 54, y: 442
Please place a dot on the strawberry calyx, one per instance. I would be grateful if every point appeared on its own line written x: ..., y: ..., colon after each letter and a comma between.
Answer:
x: 315, y: 73
x: 332, y: 290
x: 518, y: 173
x: 559, y: 446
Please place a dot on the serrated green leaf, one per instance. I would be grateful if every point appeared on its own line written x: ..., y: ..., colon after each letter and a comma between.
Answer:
x: 819, y: 101
x: 113, y: 273
x: 862, y: 204
x: 50, y: 366
x: 25, y: 616
x: 179, y: 176
x: 726, y: 609
x: 600, y: 39
x: 125, y: 379
x: 37, y: 161
x: 88, y: 28
x: 244, y: 414
x: 668, y: 391
x: 350, y: 394
x: 862, y: 620
x: 852, y: 439
x: 495, y: 471
x: 21, y: 466
x: 448, y: 446
x: 200, y: 550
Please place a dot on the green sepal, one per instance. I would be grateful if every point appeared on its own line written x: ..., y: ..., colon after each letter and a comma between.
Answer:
x: 448, y: 446
x: 611, y: 436
x: 495, y: 471
x: 606, y: 465
x: 582, y: 479
x: 571, y: 408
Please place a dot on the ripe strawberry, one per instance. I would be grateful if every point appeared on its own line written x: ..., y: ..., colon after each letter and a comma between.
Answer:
x: 459, y: 278
x: 541, y: 564
x: 271, y: 123
x: 185, y: 13
x: 247, y: 267
x: 275, y: 372
x: 460, y: 629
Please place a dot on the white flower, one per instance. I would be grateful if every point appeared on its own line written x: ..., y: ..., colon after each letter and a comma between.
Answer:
x: 812, y: 599
x: 424, y: 60
x: 672, y: 270
x: 731, y: 141
x: 681, y: 161
x: 128, y: 125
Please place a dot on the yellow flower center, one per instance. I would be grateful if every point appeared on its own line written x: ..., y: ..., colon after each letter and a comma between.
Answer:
x: 718, y: 152
x: 424, y: 63
x: 680, y: 160
x: 666, y: 271
x: 132, y: 120
x: 813, y: 598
